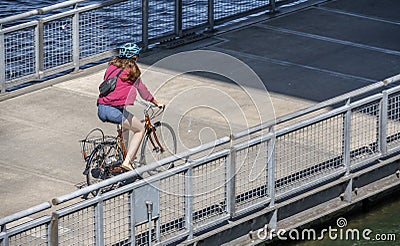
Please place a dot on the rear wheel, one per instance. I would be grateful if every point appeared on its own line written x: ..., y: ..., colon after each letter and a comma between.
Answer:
x: 151, y: 151
x: 103, y: 163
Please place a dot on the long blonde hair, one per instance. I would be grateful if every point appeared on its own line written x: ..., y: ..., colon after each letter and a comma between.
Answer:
x: 133, y: 69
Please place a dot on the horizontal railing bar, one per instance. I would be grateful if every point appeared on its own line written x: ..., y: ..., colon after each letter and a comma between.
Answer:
x: 318, y: 106
x: 254, y: 141
x: 138, y: 171
x: 99, y: 5
x: 165, y: 174
x: 392, y: 79
x: 311, y: 121
x: 373, y: 157
x: 79, y: 206
x: 138, y: 183
x: 173, y: 239
x: 19, y: 27
x: 40, y: 11
x: 25, y: 213
x: 211, y: 224
x: 80, y: 10
x: 393, y: 90
x: 59, y: 16
x: 339, y: 172
x: 28, y: 225
x: 366, y: 100
x: 254, y: 206
x: 60, y: 5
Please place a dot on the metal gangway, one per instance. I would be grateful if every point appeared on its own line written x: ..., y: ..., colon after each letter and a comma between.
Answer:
x: 253, y: 173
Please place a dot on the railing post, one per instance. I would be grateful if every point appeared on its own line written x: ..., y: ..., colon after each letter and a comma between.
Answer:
x: 39, y: 48
x: 189, y: 202
x: 346, y: 140
x: 271, y: 169
x: 149, y: 206
x: 230, y: 182
x: 347, y: 196
x: 383, y: 118
x: 2, y: 64
x: 178, y: 18
x: 273, y: 5
x: 53, y: 230
x: 99, y: 223
x: 132, y: 224
x: 211, y: 17
x: 5, y: 240
x: 75, y: 40
x: 145, y: 23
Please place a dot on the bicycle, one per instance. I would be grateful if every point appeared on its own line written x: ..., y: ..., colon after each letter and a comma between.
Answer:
x: 104, y: 154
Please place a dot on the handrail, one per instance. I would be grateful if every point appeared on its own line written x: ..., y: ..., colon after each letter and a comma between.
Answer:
x: 317, y: 106
x: 25, y: 213
x: 40, y: 11
x: 139, y: 171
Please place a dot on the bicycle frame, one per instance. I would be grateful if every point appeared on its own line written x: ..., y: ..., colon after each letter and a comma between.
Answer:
x: 149, y: 130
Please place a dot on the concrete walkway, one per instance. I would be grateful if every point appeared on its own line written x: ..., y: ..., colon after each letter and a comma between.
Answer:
x: 301, y: 58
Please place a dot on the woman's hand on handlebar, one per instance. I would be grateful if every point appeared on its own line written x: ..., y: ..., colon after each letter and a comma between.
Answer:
x: 158, y: 104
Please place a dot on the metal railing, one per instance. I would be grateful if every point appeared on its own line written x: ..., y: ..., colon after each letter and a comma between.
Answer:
x: 274, y: 162
x: 66, y: 41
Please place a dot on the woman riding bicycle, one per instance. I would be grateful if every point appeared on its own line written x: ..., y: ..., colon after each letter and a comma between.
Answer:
x: 111, y: 108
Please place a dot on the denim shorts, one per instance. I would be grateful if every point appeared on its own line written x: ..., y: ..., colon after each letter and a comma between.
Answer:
x: 112, y: 114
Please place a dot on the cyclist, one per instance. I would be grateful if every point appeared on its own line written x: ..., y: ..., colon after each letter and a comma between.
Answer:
x: 111, y: 108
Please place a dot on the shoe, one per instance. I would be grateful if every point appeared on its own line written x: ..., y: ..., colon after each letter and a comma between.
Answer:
x: 127, y: 168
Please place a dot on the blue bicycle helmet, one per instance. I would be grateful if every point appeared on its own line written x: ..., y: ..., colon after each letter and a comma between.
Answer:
x: 129, y: 50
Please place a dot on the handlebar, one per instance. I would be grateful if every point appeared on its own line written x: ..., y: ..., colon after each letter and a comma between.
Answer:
x: 150, y: 109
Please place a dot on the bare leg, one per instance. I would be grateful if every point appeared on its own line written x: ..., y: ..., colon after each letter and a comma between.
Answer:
x: 133, y: 124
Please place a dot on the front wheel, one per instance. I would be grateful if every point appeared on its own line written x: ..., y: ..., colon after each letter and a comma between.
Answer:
x: 153, y: 151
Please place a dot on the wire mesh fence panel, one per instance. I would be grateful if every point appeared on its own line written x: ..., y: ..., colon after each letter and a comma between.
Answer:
x: 117, y: 220
x: 104, y: 29
x: 142, y: 234
x: 35, y: 236
x: 194, y: 13
x: 161, y: 18
x: 393, y: 121
x: 209, y: 192
x: 308, y: 153
x: 251, y: 175
x: 92, y: 34
x: 19, y: 54
x: 57, y: 47
x: 226, y: 8
x: 77, y: 228
x: 364, y: 132
x: 172, y: 205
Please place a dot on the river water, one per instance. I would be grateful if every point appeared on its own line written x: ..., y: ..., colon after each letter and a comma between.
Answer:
x: 382, y: 219
x: 380, y: 223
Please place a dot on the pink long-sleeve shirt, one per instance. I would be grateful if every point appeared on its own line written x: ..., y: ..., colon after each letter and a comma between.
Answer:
x: 125, y: 91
